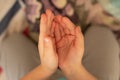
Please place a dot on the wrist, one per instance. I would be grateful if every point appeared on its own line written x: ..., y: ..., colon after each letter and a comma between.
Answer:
x: 71, y: 70
x: 78, y: 72
x: 39, y: 73
x: 46, y: 70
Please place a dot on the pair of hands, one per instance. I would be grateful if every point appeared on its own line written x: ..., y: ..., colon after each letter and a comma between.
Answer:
x: 61, y: 43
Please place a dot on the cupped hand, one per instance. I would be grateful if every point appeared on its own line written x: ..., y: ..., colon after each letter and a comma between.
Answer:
x: 69, y: 43
x: 46, y: 46
x: 61, y: 43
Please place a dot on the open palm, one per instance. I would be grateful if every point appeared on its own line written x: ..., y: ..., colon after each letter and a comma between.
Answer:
x: 69, y: 42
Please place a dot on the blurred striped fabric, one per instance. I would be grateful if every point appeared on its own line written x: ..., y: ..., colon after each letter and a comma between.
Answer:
x: 8, y: 9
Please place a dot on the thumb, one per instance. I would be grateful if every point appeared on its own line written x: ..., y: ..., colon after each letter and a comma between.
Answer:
x: 79, y: 41
x: 49, y: 46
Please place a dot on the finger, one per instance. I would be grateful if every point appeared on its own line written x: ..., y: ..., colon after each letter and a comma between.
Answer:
x: 58, y: 18
x: 52, y: 33
x: 57, y: 33
x: 53, y: 28
x: 42, y: 33
x: 50, y: 17
x: 49, y: 50
x: 69, y: 24
x: 49, y: 47
x: 61, y: 23
x: 79, y: 41
x: 43, y: 24
x: 65, y: 29
x: 61, y: 31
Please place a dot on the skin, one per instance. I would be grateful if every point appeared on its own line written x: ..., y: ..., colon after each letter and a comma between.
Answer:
x: 47, y: 51
x: 70, y: 49
x: 61, y: 44
x: 69, y: 43
x: 48, y: 57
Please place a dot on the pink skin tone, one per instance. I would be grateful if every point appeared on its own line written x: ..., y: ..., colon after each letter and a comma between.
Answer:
x: 70, y: 49
x: 67, y: 39
x: 49, y: 58
x: 61, y: 44
x: 69, y: 43
x: 47, y: 51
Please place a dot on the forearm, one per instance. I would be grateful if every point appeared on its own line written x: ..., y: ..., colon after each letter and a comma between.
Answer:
x: 78, y: 73
x: 38, y: 73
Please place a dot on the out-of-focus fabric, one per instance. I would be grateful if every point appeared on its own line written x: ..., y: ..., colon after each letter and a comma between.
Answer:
x: 112, y: 6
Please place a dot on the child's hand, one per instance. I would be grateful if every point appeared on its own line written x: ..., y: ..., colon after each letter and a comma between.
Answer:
x: 69, y: 44
x: 48, y: 55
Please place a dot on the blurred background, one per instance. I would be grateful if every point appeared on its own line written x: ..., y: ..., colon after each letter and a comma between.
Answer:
x: 23, y: 16
x: 82, y: 12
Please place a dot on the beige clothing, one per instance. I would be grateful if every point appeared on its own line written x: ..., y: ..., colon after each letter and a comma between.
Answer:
x: 19, y: 55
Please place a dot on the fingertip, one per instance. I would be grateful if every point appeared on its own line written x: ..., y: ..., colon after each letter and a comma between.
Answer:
x: 68, y: 23
x: 43, y: 17
x: 64, y: 19
x: 43, y: 14
x: 58, y: 18
x: 78, y: 29
x: 79, y: 34
x: 49, y: 12
x: 50, y: 15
